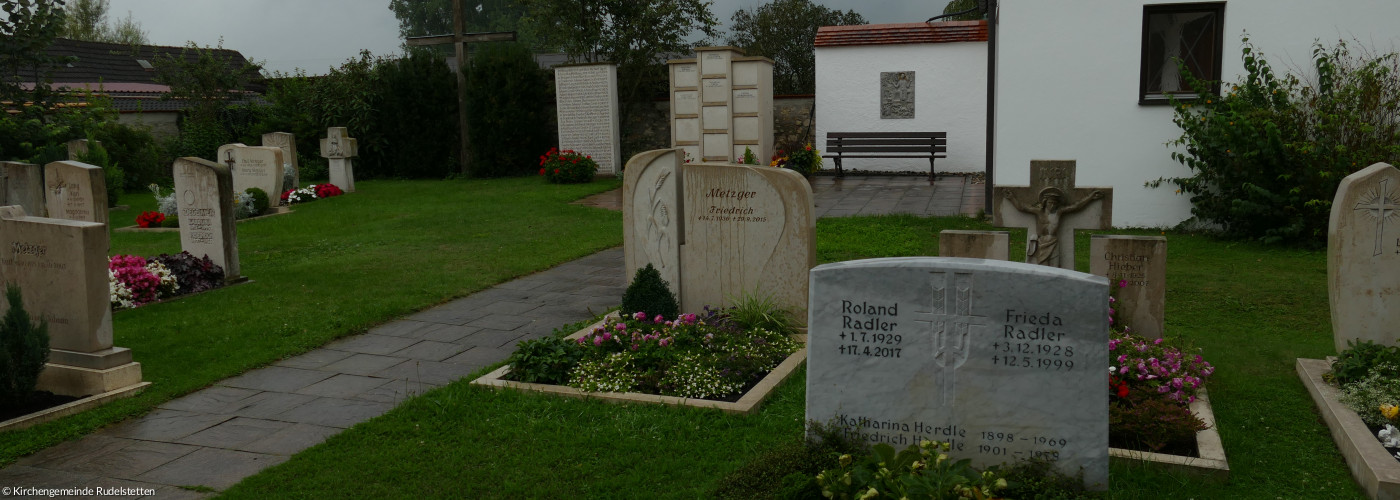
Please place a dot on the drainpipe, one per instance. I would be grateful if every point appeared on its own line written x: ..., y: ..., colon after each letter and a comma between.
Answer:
x: 991, y: 9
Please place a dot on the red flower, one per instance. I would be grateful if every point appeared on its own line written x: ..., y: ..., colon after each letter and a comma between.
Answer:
x: 150, y: 219
x: 541, y: 169
x: 328, y: 190
x: 556, y: 171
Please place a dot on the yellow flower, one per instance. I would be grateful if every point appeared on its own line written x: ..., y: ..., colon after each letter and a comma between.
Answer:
x: 1389, y: 411
x: 844, y: 460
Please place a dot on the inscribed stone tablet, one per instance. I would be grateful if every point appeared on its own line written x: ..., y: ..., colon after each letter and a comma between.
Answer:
x: 1139, y: 264
x: 687, y: 102
x: 227, y: 153
x: 24, y: 187
x: 685, y: 76
x: 715, y: 90
x: 1005, y: 360
x: 75, y: 191
x: 714, y: 62
x: 258, y: 167
x: 587, y: 113
x: 897, y: 94
x: 205, y: 194
x: 1363, y: 257
x: 746, y: 101
x: 995, y: 245
x: 61, y: 268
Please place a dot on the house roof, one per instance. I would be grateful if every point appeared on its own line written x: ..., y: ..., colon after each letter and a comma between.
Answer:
x: 902, y: 33
x: 112, y: 63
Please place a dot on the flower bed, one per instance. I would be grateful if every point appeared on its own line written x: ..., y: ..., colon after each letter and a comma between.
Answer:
x: 1358, y: 393
x: 672, y: 359
x: 1372, y: 466
x: 134, y: 281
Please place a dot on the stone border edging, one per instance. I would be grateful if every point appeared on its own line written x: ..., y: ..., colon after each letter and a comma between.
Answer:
x: 1371, y: 465
x: 1211, y: 462
x: 281, y: 210
x: 746, y: 405
x: 71, y: 408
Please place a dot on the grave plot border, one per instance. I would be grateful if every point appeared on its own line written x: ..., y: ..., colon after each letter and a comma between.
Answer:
x: 746, y: 405
x: 71, y: 408
x: 1210, y: 463
x: 282, y: 210
x: 1371, y: 465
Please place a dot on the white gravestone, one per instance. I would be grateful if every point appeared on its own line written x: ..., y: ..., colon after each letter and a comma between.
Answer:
x: 718, y: 231
x: 288, y: 143
x: 338, y: 148
x: 24, y: 186
x: 75, y: 191
x: 204, y: 191
x: 995, y: 245
x: 60, y: 266
x: 1006, y: 361
x: 1363, y: 257
x: 258, y: 167
x: 587, y: 111
x: 1050, y: 209
x: 1139, y: 264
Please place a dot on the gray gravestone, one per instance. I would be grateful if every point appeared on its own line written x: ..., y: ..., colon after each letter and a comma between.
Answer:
x: 587, y: 112
x: 896, y: 95
x: 205, y: 193
x: 60, y: 266
x: 290, y: 166
x: 1050, y: 209
x: 24, y: 186
x: 77, y: 148
x: 338, y: 148
x: 258, y: 167
x: 75, y: 191
x: 1139, y: 264
x: 1363, y: 257
x: 995, y: 245
x: 1005, y: 360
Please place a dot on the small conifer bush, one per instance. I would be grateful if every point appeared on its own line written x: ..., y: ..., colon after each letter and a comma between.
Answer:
x: 650, y: 294
x: 24, y: 348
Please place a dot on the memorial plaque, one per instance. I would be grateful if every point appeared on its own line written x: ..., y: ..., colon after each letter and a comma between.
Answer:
x: 288, y: 143
x: 727, y: 86
x: 1363, y: 257
x: 258, y: 167
x: 715, y: 90
x: 24, y: 187
x: 687, y: 102
x: 586, y: 97
x: 205, y: 194
x: 897, y: 95
x: 75, y: 191
x: 1136, y: 268
x: 995, y: 245
x: 746, y: 101
x: 1004, y: 360
x: 685, y: 76
x: 714, y: 62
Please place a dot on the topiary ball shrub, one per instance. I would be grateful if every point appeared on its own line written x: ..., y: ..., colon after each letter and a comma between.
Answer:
x: 260, y: 201
x: 650, y: 294
x: 24, y: 348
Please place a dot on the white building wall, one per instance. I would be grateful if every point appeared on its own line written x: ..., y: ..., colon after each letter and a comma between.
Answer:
x: 1067, y: 86
x: 950, y: 87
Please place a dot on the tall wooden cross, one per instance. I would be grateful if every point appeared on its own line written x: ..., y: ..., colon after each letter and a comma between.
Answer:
x: 459, y: 39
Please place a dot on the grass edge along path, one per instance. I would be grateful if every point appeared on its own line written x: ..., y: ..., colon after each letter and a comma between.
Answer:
x: 335, y: 267
x: 1251, y: 308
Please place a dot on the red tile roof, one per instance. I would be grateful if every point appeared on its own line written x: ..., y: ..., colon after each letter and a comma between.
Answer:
x: 902, y: 33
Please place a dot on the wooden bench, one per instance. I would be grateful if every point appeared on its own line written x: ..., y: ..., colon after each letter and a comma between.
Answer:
x: 931, y: 145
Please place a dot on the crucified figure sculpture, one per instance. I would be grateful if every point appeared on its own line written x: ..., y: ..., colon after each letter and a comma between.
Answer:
x: 1044, y: 249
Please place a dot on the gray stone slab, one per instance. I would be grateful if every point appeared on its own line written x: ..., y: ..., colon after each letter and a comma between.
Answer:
x: 276, y: 379
x: 371, y: 344
x: 291, y: 439
x: 448, y: 316
x: 33, y: 477
x: 266, y: 404
x: 68, y: 453
x: 479, y: 357
x: 364, y: 364
x: 166, y: 425
x: 449, y: 333
x: 336, y: 412
x: 526, y: 283
x: 166, y: 492
x: 314, y: 359
x: 547, y: 325
x: 344, y: 386
x: 234, y: 433
x: 431, y: 351
x: 405, y: 328
x: 490, y: 338
x: 500, y: 322
x: 395, y: 392
x: 512, y: 307
x: 428, y: 372
x: 215, y: 468
x: 132, y: 460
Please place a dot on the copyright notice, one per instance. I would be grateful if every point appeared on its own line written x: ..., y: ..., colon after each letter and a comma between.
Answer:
x: 116, y: 491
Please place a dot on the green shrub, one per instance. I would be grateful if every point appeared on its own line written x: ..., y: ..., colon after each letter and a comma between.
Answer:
x: 1145, y: 420
x: 650, y: 294
x: 416, y: 96
x: 755, y: 310
x: 1360, y: 359
x: 138, y: 153
x: 171, y: 221
x: 1037, y: 479
x: 1266, y: 158
x: 260, y: 201
x: 24, y: 348
x: 508, y: 101
x: 920, y: 471
x: 546, y: 360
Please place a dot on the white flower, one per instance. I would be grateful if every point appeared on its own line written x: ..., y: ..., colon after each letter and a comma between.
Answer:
x: 1389, y: 436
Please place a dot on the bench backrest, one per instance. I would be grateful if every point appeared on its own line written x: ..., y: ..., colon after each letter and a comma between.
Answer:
x: 886, y: 142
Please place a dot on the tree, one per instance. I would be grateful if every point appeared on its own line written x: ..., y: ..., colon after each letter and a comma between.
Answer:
x: 508, y: 95
x: 87, y: 20
x: 434, y: 17
x: 209, y: 78
x: 956, y: 6
x: 26, y: 31
x: 784, y: 30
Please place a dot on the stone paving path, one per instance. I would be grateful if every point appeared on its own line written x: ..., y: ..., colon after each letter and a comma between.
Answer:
x: 217, y: 436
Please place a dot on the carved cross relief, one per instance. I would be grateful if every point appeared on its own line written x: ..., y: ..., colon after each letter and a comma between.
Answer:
x: 950, y: 320
x: 1051, y: 209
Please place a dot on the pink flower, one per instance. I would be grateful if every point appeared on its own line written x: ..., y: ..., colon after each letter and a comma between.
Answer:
x: 1122, y: 283
x: 597, y: 341
x: 640, y: 316
x: 658, y: 319
x: 620, y: 327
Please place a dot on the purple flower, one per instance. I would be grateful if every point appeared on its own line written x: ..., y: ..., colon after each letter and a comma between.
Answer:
x: 658, y: 319
x: 640, y: 316
x: 597, y: 341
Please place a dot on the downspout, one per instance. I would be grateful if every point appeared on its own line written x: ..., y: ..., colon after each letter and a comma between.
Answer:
x: 992, y: 10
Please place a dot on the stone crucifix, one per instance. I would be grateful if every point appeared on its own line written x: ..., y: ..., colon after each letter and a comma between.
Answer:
x: 1050, y: 209
x: 337, y: 148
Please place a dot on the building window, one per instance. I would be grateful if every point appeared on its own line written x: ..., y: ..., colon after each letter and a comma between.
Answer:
x: 1191, y: 33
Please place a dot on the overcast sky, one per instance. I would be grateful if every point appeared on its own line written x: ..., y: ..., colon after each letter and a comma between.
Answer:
x: 315, y: 35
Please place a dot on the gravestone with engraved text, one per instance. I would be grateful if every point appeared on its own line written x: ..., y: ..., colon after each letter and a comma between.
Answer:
x: 204, y: 191
x: 1136, y: 268
x: 1363, y: 257
x: 258, y: 167
x: 1004, y: 360
x: 291, y: 170
x: 75, y: 191
x: 1050, y: 209
x: 587, y: 111
x: 338, y: 148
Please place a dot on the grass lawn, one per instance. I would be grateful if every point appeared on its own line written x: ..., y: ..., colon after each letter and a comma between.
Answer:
x: 1252, y: 309
x: 335, y: 267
